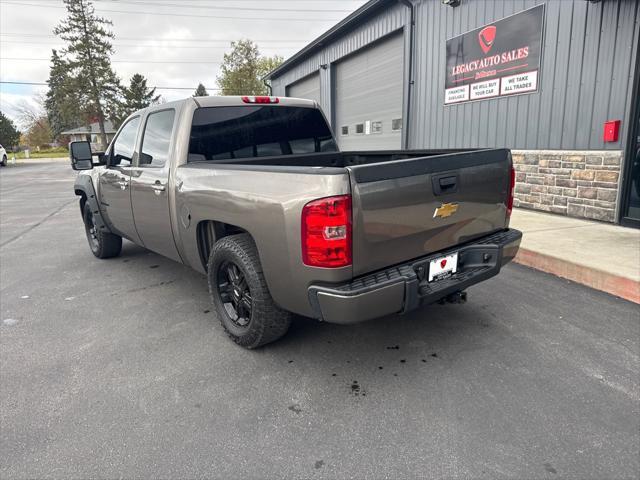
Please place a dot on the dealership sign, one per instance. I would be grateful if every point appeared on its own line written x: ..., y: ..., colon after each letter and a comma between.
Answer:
x: 496, y: 60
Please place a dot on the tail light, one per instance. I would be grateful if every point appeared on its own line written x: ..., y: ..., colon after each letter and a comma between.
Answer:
x: 511, y: 190
x: 260, y: 99
x: 326, y: 232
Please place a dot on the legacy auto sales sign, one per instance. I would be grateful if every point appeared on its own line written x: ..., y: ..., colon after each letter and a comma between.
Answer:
x: 496, y: 60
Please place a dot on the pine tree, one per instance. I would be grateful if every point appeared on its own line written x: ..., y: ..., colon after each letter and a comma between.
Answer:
x: 135, y: 97
x: 9, y: 134
x: 88, y: 55
x: 138, y: 96
x: 200, y: 91
x: 62, y: 101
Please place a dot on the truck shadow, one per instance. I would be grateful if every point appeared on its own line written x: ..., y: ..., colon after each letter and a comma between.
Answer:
x: 433, y: 333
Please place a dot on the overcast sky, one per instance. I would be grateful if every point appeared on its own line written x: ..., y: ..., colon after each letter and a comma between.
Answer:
x: 174, y: 43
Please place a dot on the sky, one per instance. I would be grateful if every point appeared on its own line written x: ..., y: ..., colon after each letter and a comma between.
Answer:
x: 174, y: 43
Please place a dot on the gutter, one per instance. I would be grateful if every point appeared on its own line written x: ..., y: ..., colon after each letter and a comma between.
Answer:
x: 412, y: 24
x: 320, y: 42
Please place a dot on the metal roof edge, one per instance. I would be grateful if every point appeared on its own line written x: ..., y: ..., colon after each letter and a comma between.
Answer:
x: 366, y: 9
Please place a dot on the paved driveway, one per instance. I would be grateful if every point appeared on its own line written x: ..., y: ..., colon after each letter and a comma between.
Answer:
x: 117, y: 368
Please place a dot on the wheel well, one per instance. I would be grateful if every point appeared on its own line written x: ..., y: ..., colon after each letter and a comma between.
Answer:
x: 209, y: 232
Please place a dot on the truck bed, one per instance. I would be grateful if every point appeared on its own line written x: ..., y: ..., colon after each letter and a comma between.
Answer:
x: 335, y: 159
x: 396, y: 196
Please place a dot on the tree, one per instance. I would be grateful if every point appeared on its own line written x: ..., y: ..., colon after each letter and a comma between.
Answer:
x: 135, y: 97
x: 243, y: 68
x: 9, y: 134
x: 40, y: 133
x: 268, y: 64
x: 200, y: 91
x: 62, y: 103
x: 88, y: 56
x: 31, y: 112
x: 33, y: 117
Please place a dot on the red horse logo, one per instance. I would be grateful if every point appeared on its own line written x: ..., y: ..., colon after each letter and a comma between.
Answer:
x: 486, y: 37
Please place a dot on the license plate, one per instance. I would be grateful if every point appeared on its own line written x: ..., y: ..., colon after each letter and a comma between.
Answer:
x: 443, y: 267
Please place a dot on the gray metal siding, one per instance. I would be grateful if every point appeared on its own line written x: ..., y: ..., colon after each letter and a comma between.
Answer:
x: 308, y: 87
x: 368, y: 88
x: 388, y: 21
x: 586, y: 74
x: 585, y: 79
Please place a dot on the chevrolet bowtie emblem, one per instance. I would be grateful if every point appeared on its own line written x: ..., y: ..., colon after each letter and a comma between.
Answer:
x: 445, y: 210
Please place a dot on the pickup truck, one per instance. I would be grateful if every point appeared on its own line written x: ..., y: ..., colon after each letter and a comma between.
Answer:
x: 254, y: 193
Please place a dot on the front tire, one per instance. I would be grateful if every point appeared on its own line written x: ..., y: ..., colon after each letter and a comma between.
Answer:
x: 4, y: 161
x: 240, y: 295
x: 102, y: 244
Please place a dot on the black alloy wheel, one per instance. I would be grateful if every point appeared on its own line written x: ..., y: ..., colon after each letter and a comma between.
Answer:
x: 103, y: 244
x: 92, y: 231
x: 240, y: 295
x: 235, y: 294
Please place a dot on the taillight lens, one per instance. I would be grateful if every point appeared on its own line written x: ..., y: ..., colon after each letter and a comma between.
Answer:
x: 326, y: 232
x: 261, y: 99
x: 511, y: 191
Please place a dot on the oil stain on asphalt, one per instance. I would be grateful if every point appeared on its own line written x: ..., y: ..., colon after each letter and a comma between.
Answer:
x: 357, y: 390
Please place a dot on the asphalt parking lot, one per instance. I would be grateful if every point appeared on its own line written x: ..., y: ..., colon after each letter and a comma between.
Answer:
x: 117, y: 368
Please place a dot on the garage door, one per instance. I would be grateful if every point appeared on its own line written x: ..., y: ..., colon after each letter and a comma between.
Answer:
x: 368, y: 99
x: 308, y: 87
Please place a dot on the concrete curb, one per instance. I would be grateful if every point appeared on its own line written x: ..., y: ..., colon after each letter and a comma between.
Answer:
x: 604, y: 281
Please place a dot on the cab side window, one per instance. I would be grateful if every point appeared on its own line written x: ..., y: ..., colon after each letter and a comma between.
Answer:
x: 125, y: 143
x: 156, y: 139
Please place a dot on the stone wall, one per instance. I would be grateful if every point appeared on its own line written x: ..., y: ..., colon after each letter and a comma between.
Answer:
x: 582, y: 184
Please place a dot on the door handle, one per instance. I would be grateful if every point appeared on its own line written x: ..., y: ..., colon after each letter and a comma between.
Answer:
x: 123, y: 184
x: 445, y: 184
x: 158, y: 187
x: 448, y: 182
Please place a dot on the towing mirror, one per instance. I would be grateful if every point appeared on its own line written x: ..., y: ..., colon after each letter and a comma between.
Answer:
x: 80, y: 155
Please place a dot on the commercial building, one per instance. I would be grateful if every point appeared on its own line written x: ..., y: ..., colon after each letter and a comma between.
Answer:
x: 556, y: 81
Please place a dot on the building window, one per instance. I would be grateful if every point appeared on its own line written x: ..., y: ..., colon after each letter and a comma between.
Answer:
x: 345, y: 130
x: 376, y: 127
x: 359, y: 127
x: 396, y: 124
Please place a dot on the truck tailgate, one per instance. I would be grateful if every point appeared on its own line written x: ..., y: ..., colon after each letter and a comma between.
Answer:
x: 406, y: 209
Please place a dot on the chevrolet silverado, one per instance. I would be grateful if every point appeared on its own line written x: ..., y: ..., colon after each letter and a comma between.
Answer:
x: 254, y: 193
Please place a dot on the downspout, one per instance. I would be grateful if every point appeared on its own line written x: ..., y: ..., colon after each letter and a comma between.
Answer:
x: 412, y: 22
x: 268, y: 85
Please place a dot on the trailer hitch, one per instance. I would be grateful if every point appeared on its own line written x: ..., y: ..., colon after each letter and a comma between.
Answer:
x: 455, y: 297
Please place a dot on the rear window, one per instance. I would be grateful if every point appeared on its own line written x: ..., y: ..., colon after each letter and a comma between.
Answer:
x: 227, y: 133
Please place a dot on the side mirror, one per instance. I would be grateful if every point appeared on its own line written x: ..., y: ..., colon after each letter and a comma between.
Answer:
x: 145, y: 159
x: 80, y: 155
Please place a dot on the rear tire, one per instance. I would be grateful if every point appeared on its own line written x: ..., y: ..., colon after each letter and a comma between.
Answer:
x: 4, y: 161
x: 240, y: 295
x: 102, y: 244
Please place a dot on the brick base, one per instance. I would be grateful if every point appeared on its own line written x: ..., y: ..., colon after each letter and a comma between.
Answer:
x: 580, y: 184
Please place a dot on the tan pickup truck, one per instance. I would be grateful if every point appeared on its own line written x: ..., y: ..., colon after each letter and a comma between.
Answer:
x: 253, y: 192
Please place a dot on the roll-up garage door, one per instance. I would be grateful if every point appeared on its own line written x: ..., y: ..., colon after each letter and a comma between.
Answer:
x: 368, y: 97
x: 308, y: 87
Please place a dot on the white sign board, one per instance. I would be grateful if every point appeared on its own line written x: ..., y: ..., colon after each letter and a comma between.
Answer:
x: 456, y: 94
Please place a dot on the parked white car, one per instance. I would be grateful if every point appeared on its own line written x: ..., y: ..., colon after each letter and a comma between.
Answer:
x: 3, y: 156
